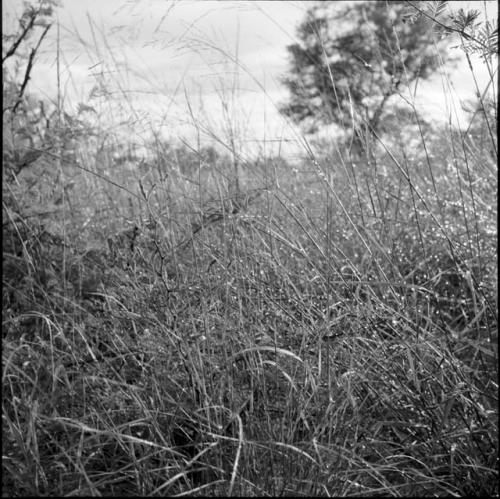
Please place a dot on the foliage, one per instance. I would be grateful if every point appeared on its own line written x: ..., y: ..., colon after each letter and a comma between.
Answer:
x: 187, y: 160
x: 25, y: 121
x: 351, y: 59
x: 476, y: 37
x: 333, y: 334
x: 15, y: 44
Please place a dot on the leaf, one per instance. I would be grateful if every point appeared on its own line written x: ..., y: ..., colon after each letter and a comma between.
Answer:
x: 242, y: 353
x: 447, y: 410
x: 84, y: 107
x: 437, y: 8
x: 410, y: 15
x: 466, y: 20
x: 413, y: 371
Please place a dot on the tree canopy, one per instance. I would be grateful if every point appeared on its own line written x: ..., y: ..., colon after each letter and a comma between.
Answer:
x: 352, y: 57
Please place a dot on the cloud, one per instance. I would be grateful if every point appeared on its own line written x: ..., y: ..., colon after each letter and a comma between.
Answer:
x: 153, y: 54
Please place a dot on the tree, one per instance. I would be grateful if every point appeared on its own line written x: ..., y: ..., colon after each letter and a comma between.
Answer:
x: 352, y: 57
x: 23, y: 115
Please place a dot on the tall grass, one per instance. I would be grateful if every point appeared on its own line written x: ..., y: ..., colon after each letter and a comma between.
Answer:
x: 327, y: 327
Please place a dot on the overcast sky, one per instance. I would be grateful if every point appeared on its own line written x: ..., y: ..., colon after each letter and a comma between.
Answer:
x: 222, y: 59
